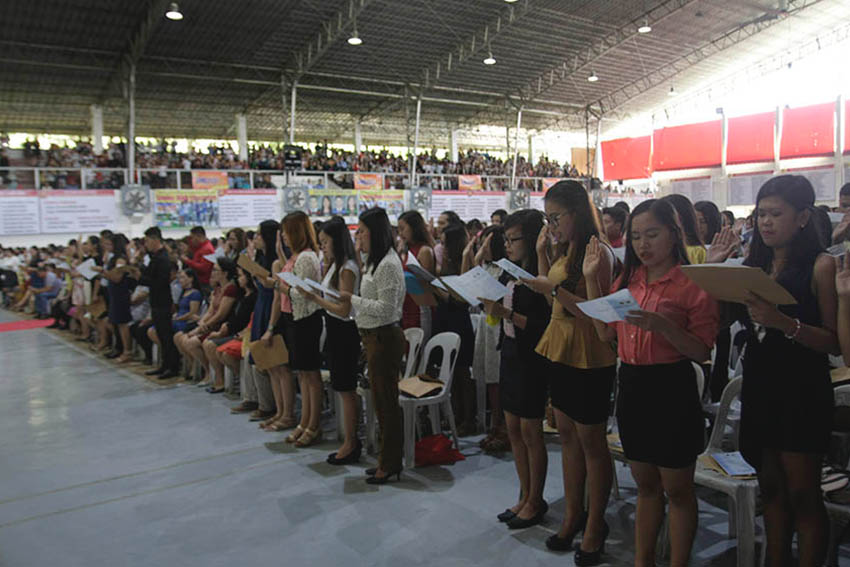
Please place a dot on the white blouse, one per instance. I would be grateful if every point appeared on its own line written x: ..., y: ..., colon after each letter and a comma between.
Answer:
x: 306, y: 266
x: 381, y: 293
x: 351, y: 266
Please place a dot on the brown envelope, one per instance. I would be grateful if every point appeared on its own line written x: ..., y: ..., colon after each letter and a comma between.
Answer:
x: 266, y: 356
x: 729, y: 282
x: 252, y: 267
x: 840, y: 374
x: 420, y: 386
x: 97, y: 308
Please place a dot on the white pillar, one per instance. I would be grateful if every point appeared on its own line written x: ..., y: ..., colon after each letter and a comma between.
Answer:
x: 777, y: 138
x: 97, y: 128
x: 292, y: 113
x: 516, y: 148
x: 453, y: 146
x: 415, y: 143
x: 131, y: 127
x: 242, y: 136
x: 358, y: 137
x: 724, y: 141
x: 531, y: 157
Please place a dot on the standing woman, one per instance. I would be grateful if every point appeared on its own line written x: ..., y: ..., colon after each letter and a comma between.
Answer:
x: 342, y: 340
x: 119, y: 288
x: 302, y: 332
x: 581, y: 376
x: 658, y: 407
x: 787, y: 398
x: 523, y: 373
x: 414, y: 233
x: 256, y: 389
x: 377, y: 314
x: 709, y: 220
x: 688, y: 220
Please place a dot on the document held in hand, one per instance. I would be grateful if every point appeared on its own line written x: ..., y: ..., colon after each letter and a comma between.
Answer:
x: 514, y: 270
x: 728, y: 282
x: 85, y: 269
x: 610, y: 308
x: 416, y: 268
x: 252, y: 267
x: 294, y: 281
x: 268, y: 356
x: 476, y: 283
x: 319, y: 287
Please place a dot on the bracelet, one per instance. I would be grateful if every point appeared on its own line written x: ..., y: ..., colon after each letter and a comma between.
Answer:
x: 511, y: 316
x: 793, y: 335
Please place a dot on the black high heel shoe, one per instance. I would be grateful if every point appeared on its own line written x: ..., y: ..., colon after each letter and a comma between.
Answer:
x: 555, y: 543
x: 517, y: 523
x: 590, y: 558
x: 506, y: 516
x: 384, y: 479
x: 349, y: 459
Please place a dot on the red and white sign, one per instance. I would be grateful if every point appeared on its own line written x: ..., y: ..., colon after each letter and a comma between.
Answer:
x: 77, y: 211
x: 18, y: 212
x: 468, y: 205
x: 469, y: 183
x: 250, y: 207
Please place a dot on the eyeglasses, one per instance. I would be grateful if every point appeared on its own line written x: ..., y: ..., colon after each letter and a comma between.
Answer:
x: 509, y: 241
x: 553, y: 218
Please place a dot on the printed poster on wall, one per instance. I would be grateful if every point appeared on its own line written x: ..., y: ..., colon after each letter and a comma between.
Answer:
x: 744, y: 188
x: 77, y: 211
x: 368, y: 181
x: 392, y: 200
x: 18, y: 212
x: 209, y: 179
x: 822, y: 179
x: 696, y: 189
x: 186, y: 208
x: 328, y: 202
x: 469, y: 183
x: 631, y: 198
x: 239, y: 207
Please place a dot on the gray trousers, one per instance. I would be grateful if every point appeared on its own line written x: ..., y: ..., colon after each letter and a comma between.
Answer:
x: 256, y: 387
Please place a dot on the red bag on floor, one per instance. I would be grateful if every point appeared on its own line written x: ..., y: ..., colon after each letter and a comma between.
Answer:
x: 436, y: 450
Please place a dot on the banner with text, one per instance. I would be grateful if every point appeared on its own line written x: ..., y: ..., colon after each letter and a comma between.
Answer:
x: 696, y: 189
x: 18, y: 212
x: 468, y: 205
x: 548, y: 182
x: 185, y: 209
x: 209, y: 179
x: 469, y: 183
x: 368, y: 181
x: 244, y: 208
x: 77, y: 211
x: 744, y: 188
x: 328, y: 202
x: 392, y: 200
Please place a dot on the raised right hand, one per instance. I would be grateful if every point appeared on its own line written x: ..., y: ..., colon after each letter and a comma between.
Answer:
x: 592, y: 259
x: 542, y: 240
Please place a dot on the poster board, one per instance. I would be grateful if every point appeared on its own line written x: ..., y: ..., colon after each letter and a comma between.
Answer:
x: 77, y: 211
x: 744, y: 188
x: 696, y: 189
x: 186, y: 208
x: 730, y: 282
x: 19, y: 212
x: 202, y: 179
x: 240, y: 207
x: 822, y: 179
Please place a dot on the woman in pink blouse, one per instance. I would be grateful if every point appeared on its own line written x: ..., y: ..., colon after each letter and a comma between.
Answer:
x: 658, y: 406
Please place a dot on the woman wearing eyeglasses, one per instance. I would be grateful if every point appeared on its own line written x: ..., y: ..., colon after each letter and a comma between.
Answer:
x: 582, y: 372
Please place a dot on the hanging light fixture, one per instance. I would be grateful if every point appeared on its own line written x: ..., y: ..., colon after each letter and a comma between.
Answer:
x: 645, y: 28
x: 174, y: 12
x: 593, y: 77
x: 671, y: 92
x: 490, y: 60
x: 354, y: 39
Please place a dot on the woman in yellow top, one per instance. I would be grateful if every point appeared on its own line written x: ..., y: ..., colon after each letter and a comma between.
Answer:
x: 582, y: 366
x: 694, y: 245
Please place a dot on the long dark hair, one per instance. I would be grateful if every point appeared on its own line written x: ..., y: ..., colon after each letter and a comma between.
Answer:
x: 572, y: 196
x: 228, y: 266
x: 711, y: 214
x: 664, y: 213
x: 497, y: 243
x: 417, y: 227
x: 798, y: 192
x: 530, y: 222
x: 380, y: 235
x: 343, y: 248
x: 196, y: 283
x: 119, y: 249
x: 94, y: 241
x: 454, y: 241
x: 268, y: 232
x: 687, y: 218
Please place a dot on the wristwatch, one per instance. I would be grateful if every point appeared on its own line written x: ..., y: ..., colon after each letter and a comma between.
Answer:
x: 554, y: 292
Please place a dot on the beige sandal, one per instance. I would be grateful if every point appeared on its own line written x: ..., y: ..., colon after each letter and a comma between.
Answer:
x: 295, y: 435
x: 309, y: 437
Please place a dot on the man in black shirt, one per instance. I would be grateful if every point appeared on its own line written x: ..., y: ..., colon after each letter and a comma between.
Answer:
x: 156, y: 276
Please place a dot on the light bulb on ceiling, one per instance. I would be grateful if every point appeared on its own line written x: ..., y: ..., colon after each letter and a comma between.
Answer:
x: 645, y: 28
x: 490, y: 60
x: 593, y: 77
x: 671, y: 92
x: 510, y: 1
x: 174, y: 12
x: 355, y: 38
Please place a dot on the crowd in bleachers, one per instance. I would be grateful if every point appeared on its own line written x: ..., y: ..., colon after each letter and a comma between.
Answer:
x: 236, y: 302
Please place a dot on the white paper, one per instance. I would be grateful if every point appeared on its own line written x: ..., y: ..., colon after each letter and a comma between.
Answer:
x: 294, y: 281
x: 213, y: 258
x: 319, y: 287
x: 416, y: 269
x: 836, y: 218
x: 85, y: 269
x: 610, y: 308
x: 733, y: 464
x: 620, y: 253
x: 62, y: 266
x: 513, y: 269
x: 474, y: 284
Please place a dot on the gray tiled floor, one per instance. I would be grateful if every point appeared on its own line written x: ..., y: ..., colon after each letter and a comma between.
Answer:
x: 103, y: 467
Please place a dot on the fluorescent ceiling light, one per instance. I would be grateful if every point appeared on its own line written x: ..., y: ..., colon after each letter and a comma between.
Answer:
x: 645, y: 28
x: 593, y: 77
x: 490, y: 60
x: 174, y: 12
x: 354, y: 39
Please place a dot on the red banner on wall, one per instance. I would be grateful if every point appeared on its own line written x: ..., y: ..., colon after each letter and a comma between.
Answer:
x: 626, y: 158
x: 687, y: 147
x: 750, y: 138
x: 808, y: 131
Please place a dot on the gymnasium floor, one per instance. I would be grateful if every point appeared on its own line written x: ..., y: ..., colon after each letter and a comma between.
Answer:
x: 100, y: 466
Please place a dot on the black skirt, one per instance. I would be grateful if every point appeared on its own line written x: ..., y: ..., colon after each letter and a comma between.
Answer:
x: 522, y: 381
x: 342, y: 345
x: 659, y: 414
x: 305, y: 335
x: 584, y: 394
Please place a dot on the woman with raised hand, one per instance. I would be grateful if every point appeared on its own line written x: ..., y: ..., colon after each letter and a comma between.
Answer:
x: 787, y: 398
x: 378, y: 316
x: 342, y: 341
x: 709, y: 220
x: 582, y: 369
x: 694, y: 244
x: 302, y: 332
x: 659, y: 413
x: 523, y: 373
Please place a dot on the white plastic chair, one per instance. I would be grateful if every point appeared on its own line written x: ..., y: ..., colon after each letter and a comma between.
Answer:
x: 414, y: 337
x: 449, y: 343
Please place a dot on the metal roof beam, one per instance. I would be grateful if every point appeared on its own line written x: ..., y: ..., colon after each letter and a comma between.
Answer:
x: 307, y: 56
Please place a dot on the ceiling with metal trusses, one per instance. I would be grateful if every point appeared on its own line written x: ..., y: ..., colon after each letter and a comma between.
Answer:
x: 58, y: 57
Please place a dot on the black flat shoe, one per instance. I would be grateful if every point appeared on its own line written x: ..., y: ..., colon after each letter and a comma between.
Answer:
x: 555, y: 543
x: 155, y: 372
x: 590, y: 558
x: 112, y: 354
x: 507, y: 515
x: 167, y: 375
x: 349, y: 459
x: 212, y: 390
x: 371, y: 472
x: 384, y: 479
x: 517, y: 523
